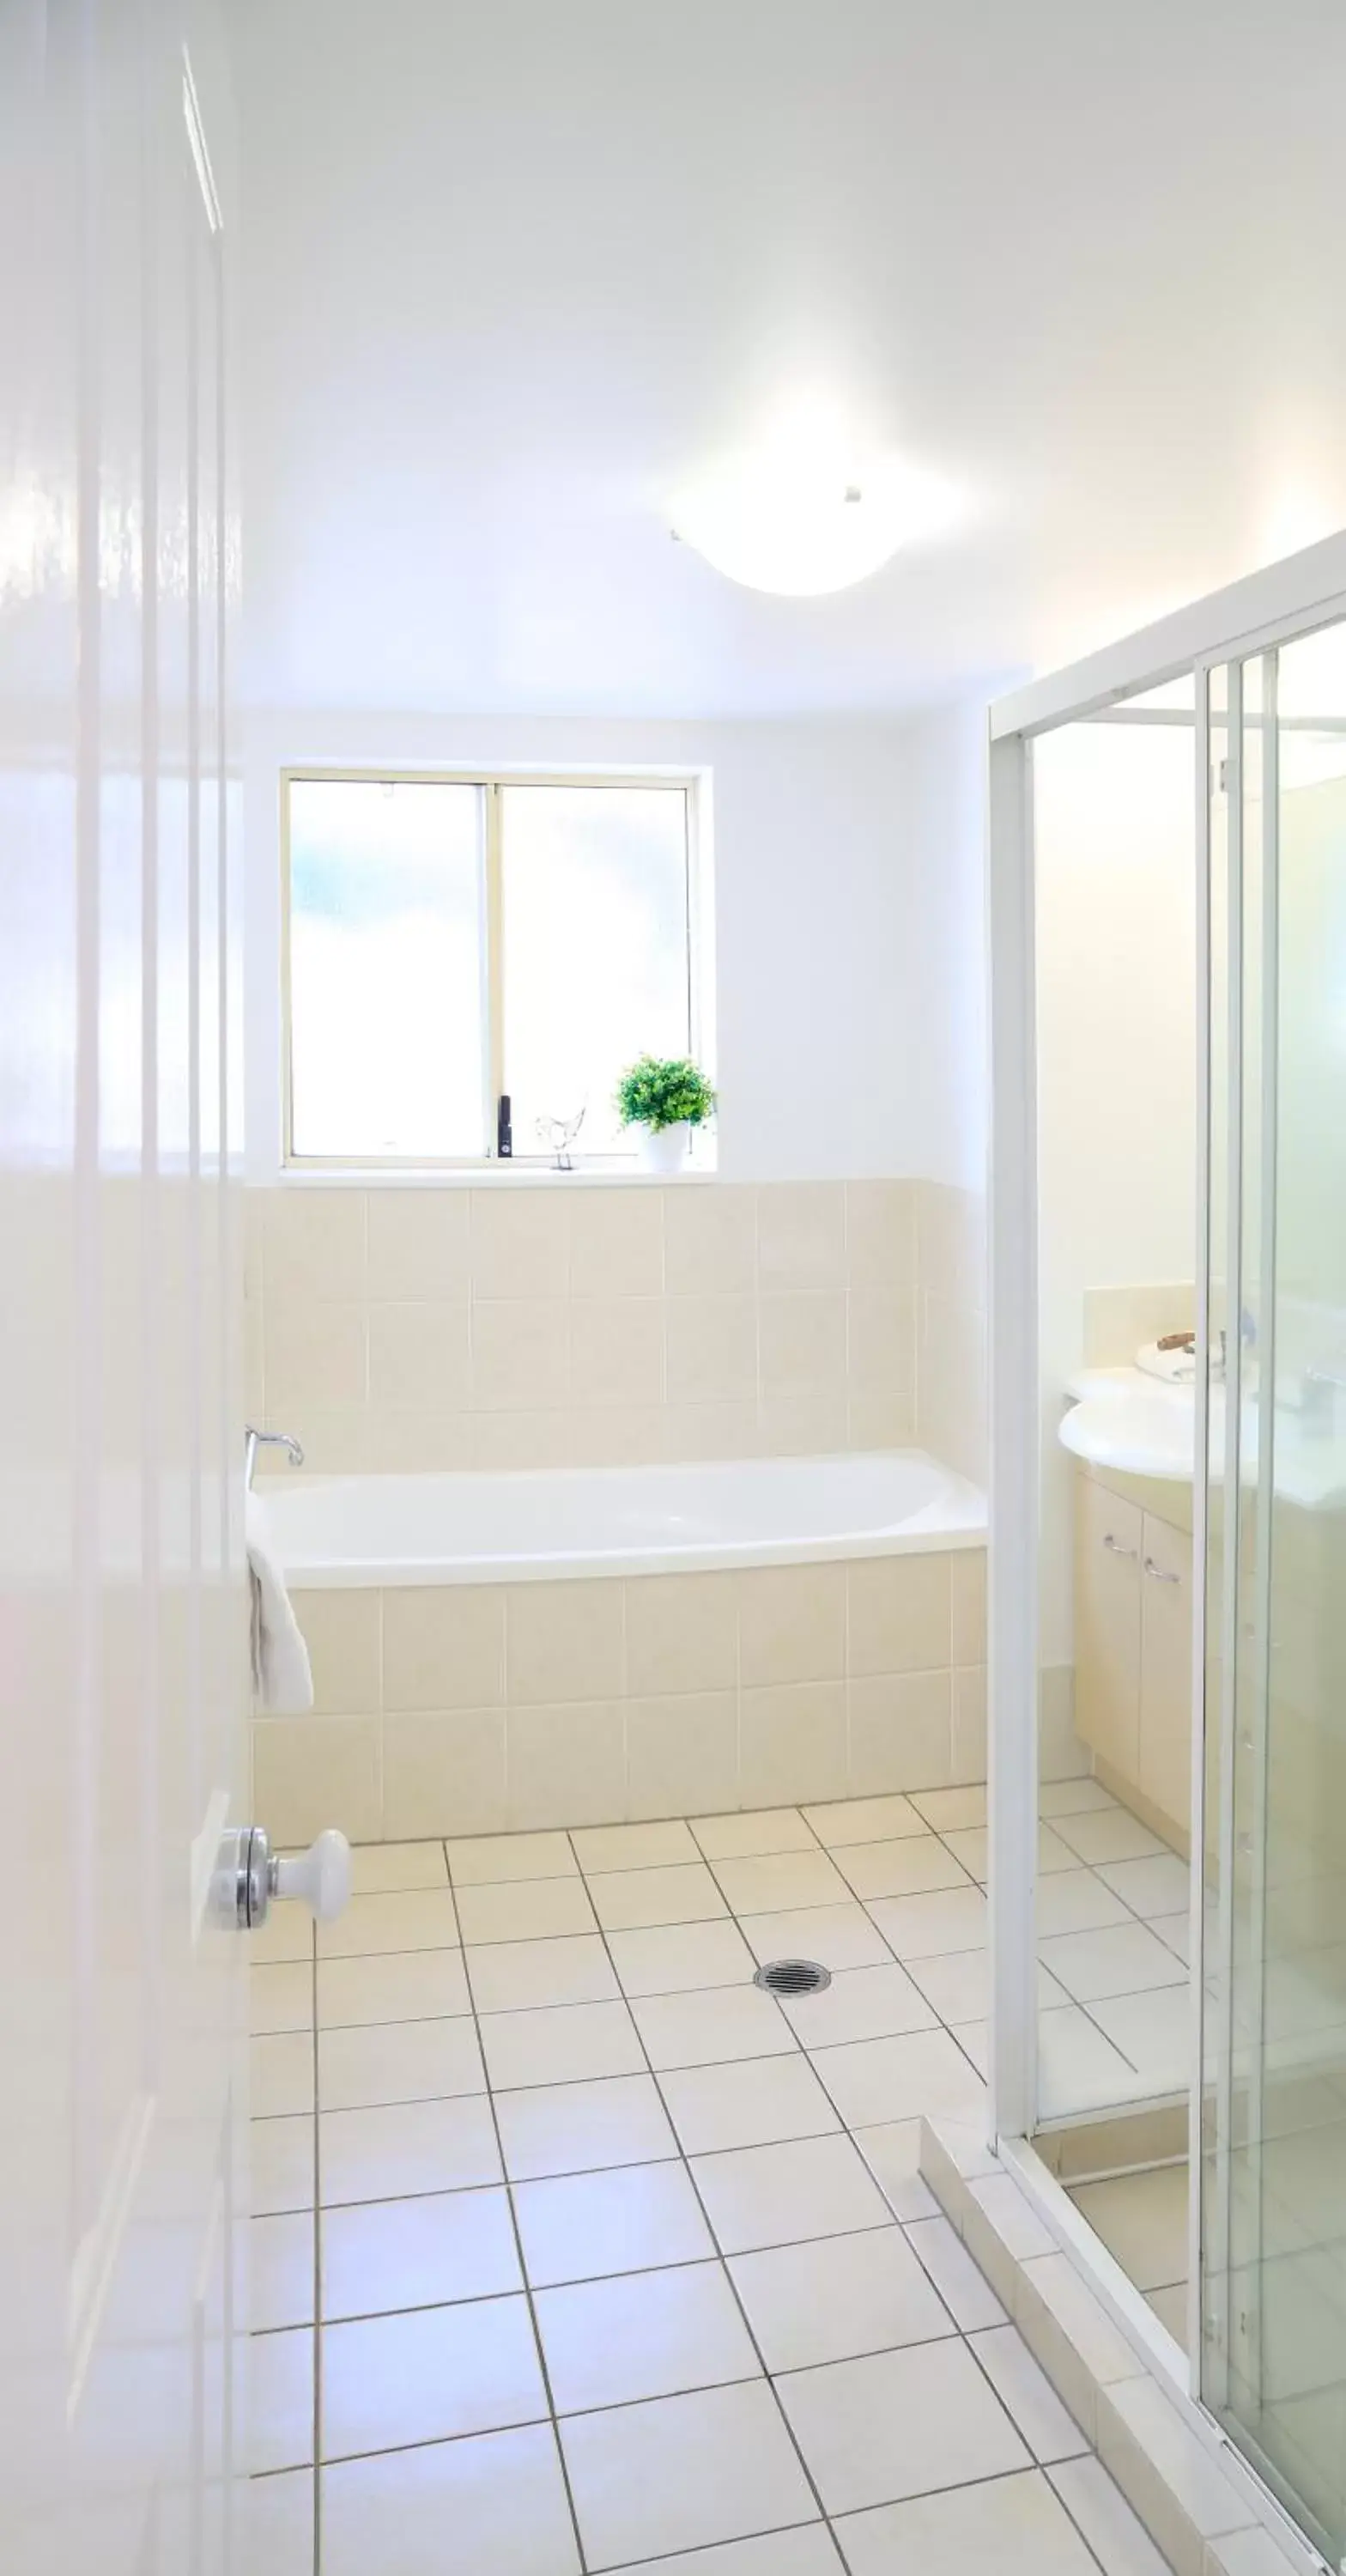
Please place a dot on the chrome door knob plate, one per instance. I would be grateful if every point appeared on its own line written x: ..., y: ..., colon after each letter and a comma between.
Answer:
x: 250, y: 1875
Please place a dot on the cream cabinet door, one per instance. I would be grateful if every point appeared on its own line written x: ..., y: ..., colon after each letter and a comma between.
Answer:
x: 1108, y: 1535
x: 1165, y: 1772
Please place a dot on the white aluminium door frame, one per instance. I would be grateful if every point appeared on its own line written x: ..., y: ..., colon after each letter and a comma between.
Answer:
x: 1266, y: 608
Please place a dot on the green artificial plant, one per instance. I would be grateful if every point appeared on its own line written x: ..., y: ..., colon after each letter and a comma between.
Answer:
x: 662, y: 1091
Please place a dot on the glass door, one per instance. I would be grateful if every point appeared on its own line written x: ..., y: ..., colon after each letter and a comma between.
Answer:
x: 1273, y: 2180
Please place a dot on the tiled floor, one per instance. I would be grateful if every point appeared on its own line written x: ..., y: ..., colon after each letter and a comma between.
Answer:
x: 1142, y: 2218
x: 619, y: 2261
x: 1114, y: 2017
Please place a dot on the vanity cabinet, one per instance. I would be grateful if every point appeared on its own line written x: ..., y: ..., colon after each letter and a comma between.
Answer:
x: 1133, y: 1652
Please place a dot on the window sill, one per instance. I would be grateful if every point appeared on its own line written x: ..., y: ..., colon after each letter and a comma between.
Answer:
x: 482, y: 1176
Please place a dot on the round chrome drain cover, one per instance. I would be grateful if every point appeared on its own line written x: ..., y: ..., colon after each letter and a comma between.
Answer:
x: 793, y: 1977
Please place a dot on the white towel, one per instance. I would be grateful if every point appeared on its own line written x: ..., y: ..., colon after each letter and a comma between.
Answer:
x: 282, y: 1678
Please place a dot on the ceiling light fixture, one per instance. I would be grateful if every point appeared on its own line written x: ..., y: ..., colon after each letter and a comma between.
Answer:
x: 801, y: 516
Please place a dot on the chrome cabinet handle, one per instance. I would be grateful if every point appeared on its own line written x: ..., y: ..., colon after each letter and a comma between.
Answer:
x: 1157, y: 1574
x: 1115, y: 1547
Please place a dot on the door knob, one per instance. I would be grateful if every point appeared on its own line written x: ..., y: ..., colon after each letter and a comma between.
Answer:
x: 249, y: 1874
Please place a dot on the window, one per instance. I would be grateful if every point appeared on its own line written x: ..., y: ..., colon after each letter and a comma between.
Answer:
x: 450, y: 940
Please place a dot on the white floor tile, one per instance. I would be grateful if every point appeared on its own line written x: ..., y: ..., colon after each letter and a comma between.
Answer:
x: 1079, y: 2069
x: 605, y: 1847
x: 425, y: 2252
x: 781, y: 1882
x: 898, y: 2424
x: 748, y: 2105
x: 625, y: 1900
x: 496, y: 2501
x: 379, y: 1869
x: 837, y: 2297
x: 779, y: 2195
x: 407, y: 1985
x: 892, y: 2151
x: 971, y: 1846
x: 280, y: 2400
x: 632, y: 2218
x: 492, y: 1858
x: 839, y: 1936
x: 773, y: 1829
x: 1108, y: 1834
x: 398, y: 2061
x: 281, y: 2074
x: 1123, y: 1959
x: 578, y: 2128
x: 1014, y: 2527
x: 427, y: 2374
x: 1119, y: 2541
x: 280, y: 2265
x: 709, y: 2029
x: 516, y: 1976
x: 560, y: 2044
x: 535, y: 1909
x: 951, y: 1810
x: 920, y: 1927
x: 1176, y: 1931
x: 924, y: 2072
x: 643, y: 2334
x: 1072, y: 1797
x: 958, y: 1985
x: 809, y: 2551
x: 1028, y: 2395
x: 677, y: 1958
x: 682, y: 2472
x: 281, y: 2154
x: 864, y: 1820
x: 409, y: 2147
x: 903, y: 1868
x: 860, y: 2003
x: 280, y: 1997
x: 967, y: 2294
x: 417, y: 1919
x: 1155, y: 2032
x: 1142, y: 2219
x: 1159, y: 1885
x: 1075, y: 1900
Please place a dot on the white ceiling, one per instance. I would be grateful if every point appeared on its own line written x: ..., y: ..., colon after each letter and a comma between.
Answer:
x: 513, y: 271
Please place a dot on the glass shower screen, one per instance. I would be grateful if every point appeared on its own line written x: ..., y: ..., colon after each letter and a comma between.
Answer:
x: 1273, y: 2182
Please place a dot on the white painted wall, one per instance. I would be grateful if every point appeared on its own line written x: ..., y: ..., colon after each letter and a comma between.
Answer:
x: 846, y: 865
x: 1116, y: 951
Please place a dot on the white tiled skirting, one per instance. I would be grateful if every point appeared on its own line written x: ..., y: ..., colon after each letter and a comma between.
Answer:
x: 491, y: 1708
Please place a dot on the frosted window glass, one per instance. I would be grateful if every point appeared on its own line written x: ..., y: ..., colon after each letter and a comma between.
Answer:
x: 387, y: 969
x: 595, y: 949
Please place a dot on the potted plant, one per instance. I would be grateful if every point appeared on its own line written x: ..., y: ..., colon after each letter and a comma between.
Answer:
x: 665, y: 1097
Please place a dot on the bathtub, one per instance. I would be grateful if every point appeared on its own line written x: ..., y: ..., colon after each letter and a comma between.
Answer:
x: 524, y: 1652
x: 564, y: 1524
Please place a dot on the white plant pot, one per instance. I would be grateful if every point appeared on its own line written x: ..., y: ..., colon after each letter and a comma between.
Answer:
x: 665, y: 1149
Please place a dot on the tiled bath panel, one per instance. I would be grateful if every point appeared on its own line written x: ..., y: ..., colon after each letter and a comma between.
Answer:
x: 574, y: 1323
x: 481, y: 1709
x: 575, y: 2251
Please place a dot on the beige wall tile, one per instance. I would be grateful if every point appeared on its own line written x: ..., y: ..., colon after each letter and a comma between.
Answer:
x: 801, y: 1235
x: 803, y: 1344
x: 313, y: 1245
x: 406, y: 1440
x: 712, y: 1349
x: 680, y: 1751
x: 335, y: 1437
x: 254, y: 1366
x: 969, y: 1727
x: 951, y: 1244
x: 341, y: 1631
x: 444, y: 1646
x: 880, y: 1341
x: 792, y: 1744
x: 900, y: 1734
x: 311, y: 1772
x: 617, y: 1243
x: 314, y: 1355
x: 616, y: 1351
x: 951, y: 1393
x: 520, y: 1355
x: 880, y: 1421
x: 707, y: 1431
x: 444, y: 1773
x: 419, y: 1354
x: 881, y: 1236
x: 967, y: 1578
x: 418, y: 1243
x: 613, y: 1435
x: 808, y: 1424
x: 564, y: 1641
x: 566, y: 1765
x: 520, y: 1243
x: 898, y: 1611
x: 792, y: 1624
x: 519, y: 1440
x: 710, y: 1240
x: 254, y: 1226
x: 681, y: 1634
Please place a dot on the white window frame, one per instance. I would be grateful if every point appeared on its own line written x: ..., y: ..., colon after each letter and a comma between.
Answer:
x: 694, y: 785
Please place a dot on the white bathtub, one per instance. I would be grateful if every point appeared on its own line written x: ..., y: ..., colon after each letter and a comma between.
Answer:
x: 549, y: 1525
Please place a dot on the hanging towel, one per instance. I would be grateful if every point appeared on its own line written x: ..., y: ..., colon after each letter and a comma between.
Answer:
x: 282, y: 1679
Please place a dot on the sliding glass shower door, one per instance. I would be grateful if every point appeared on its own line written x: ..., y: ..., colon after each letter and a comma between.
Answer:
x: 1273, y: 2180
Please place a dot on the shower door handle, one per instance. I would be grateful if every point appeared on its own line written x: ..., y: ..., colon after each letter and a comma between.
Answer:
x: 248, y: 1875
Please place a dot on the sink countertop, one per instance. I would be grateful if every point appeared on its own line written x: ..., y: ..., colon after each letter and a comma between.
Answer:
x: 1140, y: 1426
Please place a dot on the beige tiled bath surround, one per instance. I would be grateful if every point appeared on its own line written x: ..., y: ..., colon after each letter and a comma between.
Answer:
x: 577, y: 1323
x: 486, y: 1708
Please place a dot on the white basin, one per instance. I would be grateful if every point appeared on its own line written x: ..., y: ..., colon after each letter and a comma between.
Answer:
x: 1129, y: 1422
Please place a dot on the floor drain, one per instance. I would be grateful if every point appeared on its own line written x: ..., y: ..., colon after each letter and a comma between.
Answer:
x: 793, y: 1977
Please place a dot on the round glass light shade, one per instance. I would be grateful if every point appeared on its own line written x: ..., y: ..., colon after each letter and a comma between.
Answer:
x: 804, y: 527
